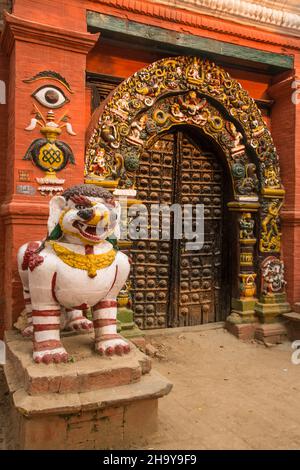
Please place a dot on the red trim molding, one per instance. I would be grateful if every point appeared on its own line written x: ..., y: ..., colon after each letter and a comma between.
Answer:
x: 18, y: 29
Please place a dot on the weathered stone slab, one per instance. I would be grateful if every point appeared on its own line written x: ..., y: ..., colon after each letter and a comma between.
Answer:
x: 151, y: 386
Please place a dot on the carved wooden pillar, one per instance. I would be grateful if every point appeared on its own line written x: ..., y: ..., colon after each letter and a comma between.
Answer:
x: 244, y: 275
x: 272, y: 300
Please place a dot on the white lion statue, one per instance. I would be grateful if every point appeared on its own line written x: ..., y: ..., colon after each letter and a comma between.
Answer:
x: 73, y: 269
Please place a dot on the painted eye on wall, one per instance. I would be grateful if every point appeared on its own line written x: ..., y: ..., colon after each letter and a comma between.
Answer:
x: 50, y: 96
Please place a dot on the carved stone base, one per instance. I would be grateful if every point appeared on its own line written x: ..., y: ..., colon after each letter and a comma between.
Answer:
x: 293, y: 324
x: 270, y: 307
x: 242, y: 311
x: 268, y: 333
x: 91, y: 403
x: 243, y: 331
x: 271, y: 332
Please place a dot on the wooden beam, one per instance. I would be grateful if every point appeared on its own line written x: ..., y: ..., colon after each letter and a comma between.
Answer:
x: 174, y: 42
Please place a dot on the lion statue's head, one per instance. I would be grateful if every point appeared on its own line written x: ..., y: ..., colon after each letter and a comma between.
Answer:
x: 84, y: 214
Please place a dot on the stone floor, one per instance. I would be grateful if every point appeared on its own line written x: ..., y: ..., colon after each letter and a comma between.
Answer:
x: 228, y: 394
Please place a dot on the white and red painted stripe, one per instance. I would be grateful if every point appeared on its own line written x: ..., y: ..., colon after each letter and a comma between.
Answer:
x: 46, y: 345
x: 104, y: 318
x: 76, y: 320
x: 28, y: 308
x: 105, y: 326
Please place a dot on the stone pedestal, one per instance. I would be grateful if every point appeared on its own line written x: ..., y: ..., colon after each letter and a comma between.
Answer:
x: 293, y: 322
x: 274, y: 333
x: 267, y: 332
x: 241, y: 330
x: 270, y: 307
x: 89, y: 403
x: 242, y: 311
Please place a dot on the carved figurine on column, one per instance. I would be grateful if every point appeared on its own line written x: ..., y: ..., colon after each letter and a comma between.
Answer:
x: 76, y: 268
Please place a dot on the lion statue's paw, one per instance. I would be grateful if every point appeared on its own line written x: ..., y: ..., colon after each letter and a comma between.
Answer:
x: 57, y: 355
x: 110, y: 346
x: 78, y: 323
x: 28, y: 331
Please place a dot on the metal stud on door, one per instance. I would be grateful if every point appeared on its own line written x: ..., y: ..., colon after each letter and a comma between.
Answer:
x: 172, y: 286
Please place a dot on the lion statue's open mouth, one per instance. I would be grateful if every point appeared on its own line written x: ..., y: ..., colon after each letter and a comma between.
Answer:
x: 93, y: 233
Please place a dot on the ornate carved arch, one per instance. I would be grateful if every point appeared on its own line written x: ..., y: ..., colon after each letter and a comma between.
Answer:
x: 196, y: 92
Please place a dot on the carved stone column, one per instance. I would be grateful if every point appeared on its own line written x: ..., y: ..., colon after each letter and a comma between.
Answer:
x: 244, y: 275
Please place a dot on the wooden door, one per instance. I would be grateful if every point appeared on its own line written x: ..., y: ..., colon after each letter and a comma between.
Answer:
x: 172, y: 286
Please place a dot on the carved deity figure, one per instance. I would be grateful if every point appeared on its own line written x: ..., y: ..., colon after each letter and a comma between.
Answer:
x: 75, y: 268
x: 236, y: 136
x: 248, y: 184
x: 97, y: 166
x: 191, y: 103
x: 192, y: 73
x: 272, y: 270
x: 246, y: 226
x: 271, y: 177
x: 270, y: 234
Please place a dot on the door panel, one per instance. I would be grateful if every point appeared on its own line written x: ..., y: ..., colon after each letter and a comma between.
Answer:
x: 172, y: 286
x: 150, y: 275
x: 200, y: 180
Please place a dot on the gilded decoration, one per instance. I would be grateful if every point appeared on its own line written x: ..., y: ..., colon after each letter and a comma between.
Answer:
x: 248, y: 285
x: 182, y: 90
x: 195, y: 92
x: 48, y: 153
x: 270, y: 236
